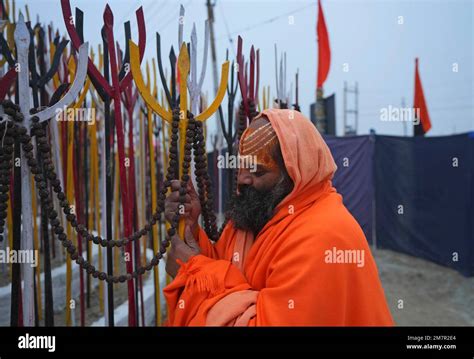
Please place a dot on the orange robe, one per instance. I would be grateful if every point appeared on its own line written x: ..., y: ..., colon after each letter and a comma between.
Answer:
x: 287, y: 275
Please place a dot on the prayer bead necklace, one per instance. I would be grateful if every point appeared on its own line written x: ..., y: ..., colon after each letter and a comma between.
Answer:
x: 194, y: 140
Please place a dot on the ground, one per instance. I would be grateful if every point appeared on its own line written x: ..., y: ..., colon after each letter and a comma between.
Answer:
x: 432, y: 295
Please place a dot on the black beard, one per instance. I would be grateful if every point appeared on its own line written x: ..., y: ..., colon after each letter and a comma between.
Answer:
x: 252, y: 209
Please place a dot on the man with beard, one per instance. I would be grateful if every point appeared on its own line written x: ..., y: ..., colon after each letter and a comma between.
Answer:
x: 290, y: 253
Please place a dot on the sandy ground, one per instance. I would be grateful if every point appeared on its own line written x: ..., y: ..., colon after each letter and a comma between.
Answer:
x: 93, y: 311
x: 432, y: 295
x: 4, y: 271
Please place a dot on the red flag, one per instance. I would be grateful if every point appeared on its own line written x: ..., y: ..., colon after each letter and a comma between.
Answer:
x: 324, y: 52
x: 419, y: 104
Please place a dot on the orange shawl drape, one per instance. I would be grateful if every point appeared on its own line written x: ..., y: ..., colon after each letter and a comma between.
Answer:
x: 282, y: 277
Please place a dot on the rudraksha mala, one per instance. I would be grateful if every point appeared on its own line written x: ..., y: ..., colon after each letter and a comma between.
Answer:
x: 7, y: 134
x: 204, y: 183
x: 194, y: 136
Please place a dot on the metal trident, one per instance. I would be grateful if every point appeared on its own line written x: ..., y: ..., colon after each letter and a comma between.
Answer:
x: 193, y: 85
x: 284, y: 98
x: 22, y: 40
x: 105, y: 90
x: 100, y: 83
x: 151, y: 101
x: 37, y: 80
x: 248, y: 85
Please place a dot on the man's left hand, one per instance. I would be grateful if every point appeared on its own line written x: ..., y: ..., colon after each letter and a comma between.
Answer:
x: 182, y: 250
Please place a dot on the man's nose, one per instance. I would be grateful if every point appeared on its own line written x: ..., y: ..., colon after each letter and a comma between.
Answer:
x: 244, y: 177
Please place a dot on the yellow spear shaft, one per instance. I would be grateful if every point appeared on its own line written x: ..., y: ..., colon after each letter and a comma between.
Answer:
x: 183, y: 64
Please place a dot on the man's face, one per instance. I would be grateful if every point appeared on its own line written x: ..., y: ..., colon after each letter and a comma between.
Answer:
x: 260, y: 191
x: 263, y: 179
x: 261, y: 145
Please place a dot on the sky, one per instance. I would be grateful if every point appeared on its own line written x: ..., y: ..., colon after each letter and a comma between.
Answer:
x: 373, y: 43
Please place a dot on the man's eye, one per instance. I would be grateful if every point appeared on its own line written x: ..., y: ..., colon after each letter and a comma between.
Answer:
x: 259, y: 173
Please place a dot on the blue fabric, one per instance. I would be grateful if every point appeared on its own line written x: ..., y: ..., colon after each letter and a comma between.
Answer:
x: 424, y: 201
x: 354, y: 176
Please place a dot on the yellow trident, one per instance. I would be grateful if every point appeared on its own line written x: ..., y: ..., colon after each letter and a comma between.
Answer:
x: 151, y: 101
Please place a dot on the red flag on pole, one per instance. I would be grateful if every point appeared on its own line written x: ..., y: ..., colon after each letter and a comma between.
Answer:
x: 324, y: 52
x: 422, y: 117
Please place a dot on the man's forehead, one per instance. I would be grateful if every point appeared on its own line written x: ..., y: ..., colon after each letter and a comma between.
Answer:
x: 258, y: 135
x: 258, y: 142
x: 259, y: 162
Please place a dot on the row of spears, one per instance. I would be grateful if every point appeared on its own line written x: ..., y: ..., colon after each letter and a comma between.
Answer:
x: 90, y: 147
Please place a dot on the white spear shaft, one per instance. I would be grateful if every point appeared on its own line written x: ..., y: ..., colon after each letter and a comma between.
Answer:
x: 22, y: 40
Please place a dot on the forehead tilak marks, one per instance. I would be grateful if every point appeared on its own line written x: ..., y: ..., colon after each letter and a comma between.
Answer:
x: 256, y: 146
x: 257, y: 150
x: 258, y: 130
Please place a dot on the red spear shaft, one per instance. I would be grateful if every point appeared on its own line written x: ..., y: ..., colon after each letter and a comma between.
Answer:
x: 127, y: 215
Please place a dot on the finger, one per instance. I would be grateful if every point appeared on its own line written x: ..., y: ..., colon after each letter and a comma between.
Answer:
x: 175, y: 185
x: 175, y: 197
x: 187, y: 198
x: 182, y: 209
x: 171, y: 207
x: 190, y: 187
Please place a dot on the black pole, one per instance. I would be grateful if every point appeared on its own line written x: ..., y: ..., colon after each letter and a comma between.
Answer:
x: 16, y: 274
x: 108, y: 181
x: 16, y: 211
x: 86, y: 205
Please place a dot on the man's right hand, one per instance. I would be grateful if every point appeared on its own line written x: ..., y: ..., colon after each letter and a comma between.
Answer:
x: 192, y: 207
